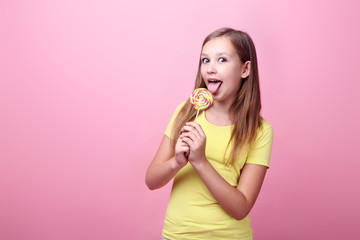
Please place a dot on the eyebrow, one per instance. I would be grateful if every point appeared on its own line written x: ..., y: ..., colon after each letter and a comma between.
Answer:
x: 218, y: 54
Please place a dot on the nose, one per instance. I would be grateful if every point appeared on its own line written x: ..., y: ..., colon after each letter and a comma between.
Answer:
x: 211, y: 67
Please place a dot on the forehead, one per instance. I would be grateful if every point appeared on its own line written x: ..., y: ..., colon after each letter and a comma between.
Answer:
x: 219, y: 45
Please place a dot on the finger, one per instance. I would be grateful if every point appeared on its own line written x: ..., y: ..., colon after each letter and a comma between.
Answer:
x: 184, y: 147
x: 184, y: 150
x: 194, y: 127
x: 183, y: 144
x: 188, y: 135
x: 197, y: 127
x: 187, y: 153
x: 183, y: 134
x: 184, y: 129
x: 187, y: 128
x: 188, y: 141
x: 193, y: 130
x: 192, y: 136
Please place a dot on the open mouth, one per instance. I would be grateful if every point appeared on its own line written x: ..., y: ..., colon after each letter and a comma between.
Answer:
x: 214, y: 85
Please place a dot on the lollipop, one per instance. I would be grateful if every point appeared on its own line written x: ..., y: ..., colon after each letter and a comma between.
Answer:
x: 201, y: 99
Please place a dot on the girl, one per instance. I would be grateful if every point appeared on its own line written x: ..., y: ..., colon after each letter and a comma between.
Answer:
x: 220, y: 162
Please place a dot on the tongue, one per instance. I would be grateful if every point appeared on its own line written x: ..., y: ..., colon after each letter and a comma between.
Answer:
x: 213, y: 87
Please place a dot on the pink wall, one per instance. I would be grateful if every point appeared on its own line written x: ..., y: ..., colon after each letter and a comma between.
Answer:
x: 87, y: 88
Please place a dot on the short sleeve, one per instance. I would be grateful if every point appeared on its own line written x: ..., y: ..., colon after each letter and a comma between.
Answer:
x: 260, y: 150
x: 169, y: 128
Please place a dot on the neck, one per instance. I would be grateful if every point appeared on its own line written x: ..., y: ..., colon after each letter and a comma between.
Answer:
x: 219, y: 114
x: 222, y: 107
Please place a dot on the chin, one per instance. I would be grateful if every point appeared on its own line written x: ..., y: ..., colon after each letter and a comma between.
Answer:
x: 218, y: 98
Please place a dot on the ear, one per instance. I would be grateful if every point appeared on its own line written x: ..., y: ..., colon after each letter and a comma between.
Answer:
x: 246, y: 69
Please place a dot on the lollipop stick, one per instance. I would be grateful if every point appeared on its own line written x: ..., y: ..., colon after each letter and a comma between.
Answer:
x: 197, y: 114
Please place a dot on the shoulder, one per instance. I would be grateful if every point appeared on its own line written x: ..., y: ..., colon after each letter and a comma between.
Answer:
x: 180, y: 106
x: 260, y: 150
x: 265, y: 129
x: 178, y: 109
x: 265, y: 125
x: 169, y: 129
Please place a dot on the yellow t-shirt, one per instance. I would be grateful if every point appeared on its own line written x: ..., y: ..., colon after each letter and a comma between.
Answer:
x: 192, y: 212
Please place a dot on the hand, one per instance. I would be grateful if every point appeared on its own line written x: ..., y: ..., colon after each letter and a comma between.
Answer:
x: 182, y: 151
x: 194, y: 136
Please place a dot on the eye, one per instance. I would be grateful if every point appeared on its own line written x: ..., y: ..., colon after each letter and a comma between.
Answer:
x: 222, y: 59
x: 205, y: 60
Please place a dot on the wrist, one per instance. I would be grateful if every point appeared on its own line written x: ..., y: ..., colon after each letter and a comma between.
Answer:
x: 201, y: 164
x: 175, y: 165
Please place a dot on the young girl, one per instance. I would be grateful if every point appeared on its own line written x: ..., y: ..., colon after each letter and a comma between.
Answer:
x: 220, y: 162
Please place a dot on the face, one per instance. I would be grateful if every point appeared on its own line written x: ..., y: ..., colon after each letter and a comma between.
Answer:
x: 222, y: 69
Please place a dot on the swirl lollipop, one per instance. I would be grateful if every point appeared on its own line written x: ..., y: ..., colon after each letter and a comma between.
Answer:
x: 201, y: 99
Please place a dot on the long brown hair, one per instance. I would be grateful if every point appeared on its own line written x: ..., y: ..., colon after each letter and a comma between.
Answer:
x: 245, y: 110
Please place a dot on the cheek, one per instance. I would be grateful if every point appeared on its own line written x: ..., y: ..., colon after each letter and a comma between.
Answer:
x: 202, y: 71
x: 235, y: 73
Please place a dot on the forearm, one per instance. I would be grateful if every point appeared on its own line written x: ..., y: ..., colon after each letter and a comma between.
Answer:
x: 230, y: 198
x: 158, y: 175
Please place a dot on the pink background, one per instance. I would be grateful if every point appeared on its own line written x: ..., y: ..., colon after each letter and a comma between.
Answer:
x: 87, y: 89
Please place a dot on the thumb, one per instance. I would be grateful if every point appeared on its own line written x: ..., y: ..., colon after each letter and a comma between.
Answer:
x: 187, y: 153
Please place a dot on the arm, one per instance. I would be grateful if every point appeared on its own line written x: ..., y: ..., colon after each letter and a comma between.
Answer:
x: 166, y: 164
x: 236, y: 201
